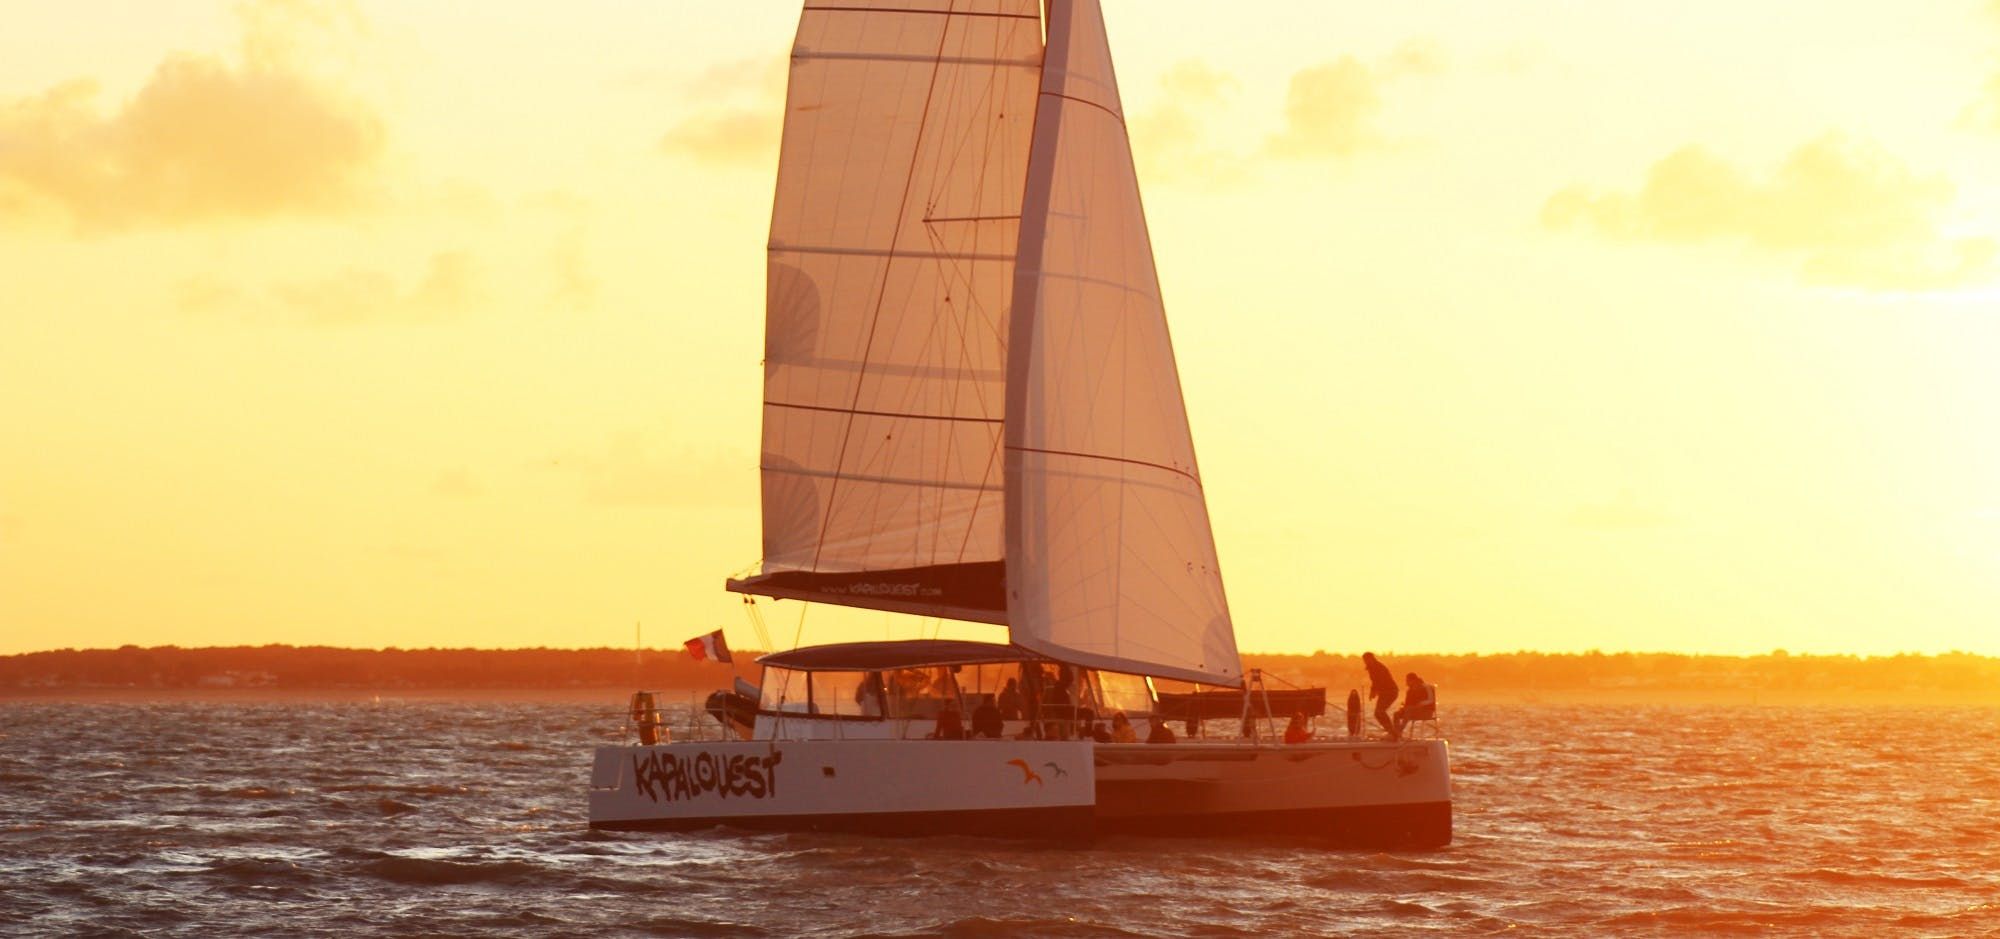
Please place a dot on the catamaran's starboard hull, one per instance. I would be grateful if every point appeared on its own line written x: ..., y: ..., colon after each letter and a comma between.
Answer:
x: 1378, y: 794
x: 1029, y: 788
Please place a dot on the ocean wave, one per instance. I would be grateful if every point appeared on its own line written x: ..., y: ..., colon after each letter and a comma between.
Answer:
x: 438, y: 872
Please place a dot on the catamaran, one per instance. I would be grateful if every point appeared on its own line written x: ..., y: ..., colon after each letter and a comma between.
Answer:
x: 972, y: 412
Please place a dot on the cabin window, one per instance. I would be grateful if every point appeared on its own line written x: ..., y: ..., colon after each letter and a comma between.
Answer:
x: 784, y: 690
x: 848, y: 694
x: 982, y: 684
x: 1129, y: 693
x: 920, y: 692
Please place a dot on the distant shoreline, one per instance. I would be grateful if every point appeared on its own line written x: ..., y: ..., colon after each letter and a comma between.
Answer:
x: 308, y: 674
x: 614, y: 697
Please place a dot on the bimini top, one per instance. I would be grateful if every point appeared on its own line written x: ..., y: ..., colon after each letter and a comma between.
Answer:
x: 907, y: 653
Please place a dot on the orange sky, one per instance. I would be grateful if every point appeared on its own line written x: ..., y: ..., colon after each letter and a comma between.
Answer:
x: 1552, y: 325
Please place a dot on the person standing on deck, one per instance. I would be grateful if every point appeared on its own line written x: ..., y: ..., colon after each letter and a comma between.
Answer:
x: 1382, y: 688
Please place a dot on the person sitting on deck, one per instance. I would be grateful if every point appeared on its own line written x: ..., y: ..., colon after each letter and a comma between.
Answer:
x: 1419, y: 703
x: 1087, y: 727
x: 1160, y: 733
x: 1296, y: 731
x: 1121, y: 729
x: 949, y: 725
x: 986, y: 721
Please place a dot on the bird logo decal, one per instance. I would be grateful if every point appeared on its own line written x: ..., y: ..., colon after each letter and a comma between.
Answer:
x: 1060, y: 772
x: 1028, y: 775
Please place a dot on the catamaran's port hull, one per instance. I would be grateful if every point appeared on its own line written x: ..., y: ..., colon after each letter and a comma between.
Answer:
x: 1361, y: 794
x: 1024, y: 788
x: 1062, y: 823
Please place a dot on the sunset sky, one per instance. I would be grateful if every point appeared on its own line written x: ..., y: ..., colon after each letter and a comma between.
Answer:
x: 1544, y: 325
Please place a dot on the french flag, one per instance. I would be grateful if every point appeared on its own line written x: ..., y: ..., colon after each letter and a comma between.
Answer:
x: 709, y: 648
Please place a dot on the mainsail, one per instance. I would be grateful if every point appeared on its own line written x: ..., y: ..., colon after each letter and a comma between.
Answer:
x: 971, y: 405
x: 891, y: 264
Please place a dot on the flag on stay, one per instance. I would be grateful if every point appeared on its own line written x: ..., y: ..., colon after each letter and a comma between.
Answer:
x: 709, y: 648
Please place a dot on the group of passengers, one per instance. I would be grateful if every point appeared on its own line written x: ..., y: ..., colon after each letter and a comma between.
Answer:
x: 1063, y: 717
x: 1419, y: 704
x: 1048, y: 708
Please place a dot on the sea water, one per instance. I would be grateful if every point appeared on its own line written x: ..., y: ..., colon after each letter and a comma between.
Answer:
x: 469, y: 820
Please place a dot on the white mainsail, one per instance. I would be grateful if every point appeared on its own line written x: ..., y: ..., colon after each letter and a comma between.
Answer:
x: 959, y: 260
x: 1110, y: 560
x: 890, y: 270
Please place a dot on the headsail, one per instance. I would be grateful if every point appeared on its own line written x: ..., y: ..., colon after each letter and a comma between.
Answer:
x: 1110, y: 560
x: 891, y: 266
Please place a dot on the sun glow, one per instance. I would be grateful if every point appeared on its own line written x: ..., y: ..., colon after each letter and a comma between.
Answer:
x: 347, y: 324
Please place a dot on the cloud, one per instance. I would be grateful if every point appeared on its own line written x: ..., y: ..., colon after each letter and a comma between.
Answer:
x: 743, y: 133
x: 456, y: 483
x: 356, y: 295
x: 204, y: 139
x: 575, y: 283
x: 1330, y: 109
x: 1984, y: 112
x: 1170, y: 140
x: 450, y: 285
x: 727, y: 138
x: 205, y: 294
x: 629, y: 473
x: 1854, y: 214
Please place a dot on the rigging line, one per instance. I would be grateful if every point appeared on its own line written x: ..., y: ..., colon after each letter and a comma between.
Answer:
x: 937, y: 158
x: 800, y: 632
x: 992, y: 101
x: 882, y: 289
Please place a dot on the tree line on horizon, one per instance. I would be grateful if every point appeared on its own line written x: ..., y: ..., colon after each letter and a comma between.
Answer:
x: 284, y: 667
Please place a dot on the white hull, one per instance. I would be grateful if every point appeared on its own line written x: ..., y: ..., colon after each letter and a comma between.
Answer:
x: 890, y: 786
x: 1362, y: 792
